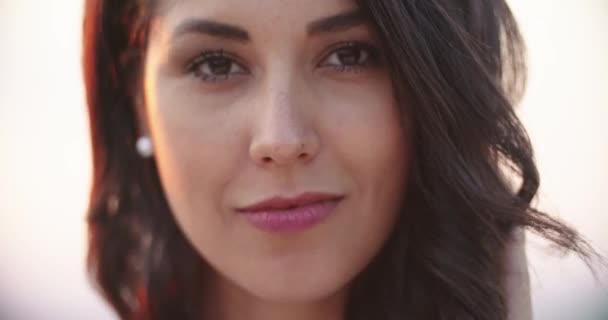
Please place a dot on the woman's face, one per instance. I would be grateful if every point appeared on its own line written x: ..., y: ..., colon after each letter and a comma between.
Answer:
x: 290, y: 101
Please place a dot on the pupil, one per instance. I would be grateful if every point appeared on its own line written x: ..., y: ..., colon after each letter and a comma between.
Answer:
x: 219, y: 66
x: 349, y: 56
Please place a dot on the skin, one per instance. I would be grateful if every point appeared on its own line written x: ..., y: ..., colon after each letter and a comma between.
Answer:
x: 517, y: 278
x: 277, y: 114
x: 298, y: 112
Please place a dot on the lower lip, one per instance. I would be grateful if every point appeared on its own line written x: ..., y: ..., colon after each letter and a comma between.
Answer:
x: 292, y: 220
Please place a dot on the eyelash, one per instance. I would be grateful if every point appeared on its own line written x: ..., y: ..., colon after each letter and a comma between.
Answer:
x: 372, y: 55
x: 207, y: 57
x: 369, y: 52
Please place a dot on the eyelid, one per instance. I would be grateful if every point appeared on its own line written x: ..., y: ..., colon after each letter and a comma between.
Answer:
x: 202, y: 57
x: 211, y: 53
x: 374, y: 51
x: 192, y: 67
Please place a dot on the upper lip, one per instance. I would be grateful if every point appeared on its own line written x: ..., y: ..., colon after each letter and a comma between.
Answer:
x: 279, y: 202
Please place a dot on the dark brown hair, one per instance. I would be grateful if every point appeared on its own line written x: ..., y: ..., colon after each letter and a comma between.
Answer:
x: 460, y: 66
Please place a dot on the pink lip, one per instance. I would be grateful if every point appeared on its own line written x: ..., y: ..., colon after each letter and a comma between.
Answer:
x: 291, y: 214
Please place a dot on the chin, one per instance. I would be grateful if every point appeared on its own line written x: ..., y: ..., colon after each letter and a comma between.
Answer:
x: 297, y: 293
x: 295, y: 287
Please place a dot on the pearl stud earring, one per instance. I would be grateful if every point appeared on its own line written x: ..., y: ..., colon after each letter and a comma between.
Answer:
x: 144, y: 147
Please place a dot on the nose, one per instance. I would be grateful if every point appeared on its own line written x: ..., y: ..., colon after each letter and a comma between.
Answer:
x: 284, y: 133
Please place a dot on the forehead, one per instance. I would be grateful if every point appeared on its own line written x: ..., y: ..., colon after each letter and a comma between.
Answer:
x: 254, y: 15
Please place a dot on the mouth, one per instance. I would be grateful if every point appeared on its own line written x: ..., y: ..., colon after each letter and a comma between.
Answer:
x: 284, y: 214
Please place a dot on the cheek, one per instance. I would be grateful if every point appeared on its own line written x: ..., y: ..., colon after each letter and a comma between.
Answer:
x: 369, y: 134
x: 370, y: 141
x: 197, y: 152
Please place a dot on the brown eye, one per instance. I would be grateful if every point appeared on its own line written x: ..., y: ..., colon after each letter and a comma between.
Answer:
x: 215, y: 66
x: 350, y: 55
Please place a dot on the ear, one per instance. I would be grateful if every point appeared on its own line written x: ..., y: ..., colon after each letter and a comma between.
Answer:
x: 141, y: 114
x: 143, y: 142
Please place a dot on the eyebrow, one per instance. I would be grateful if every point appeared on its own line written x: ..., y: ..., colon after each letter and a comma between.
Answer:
x: 335, y: 23
x: 212, y: 28
x: 339, y: 22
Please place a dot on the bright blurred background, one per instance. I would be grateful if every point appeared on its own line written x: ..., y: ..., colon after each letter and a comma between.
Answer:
x: 45, y: 169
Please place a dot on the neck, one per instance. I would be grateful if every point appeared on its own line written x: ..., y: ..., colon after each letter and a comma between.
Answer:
x: 226, y: 301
